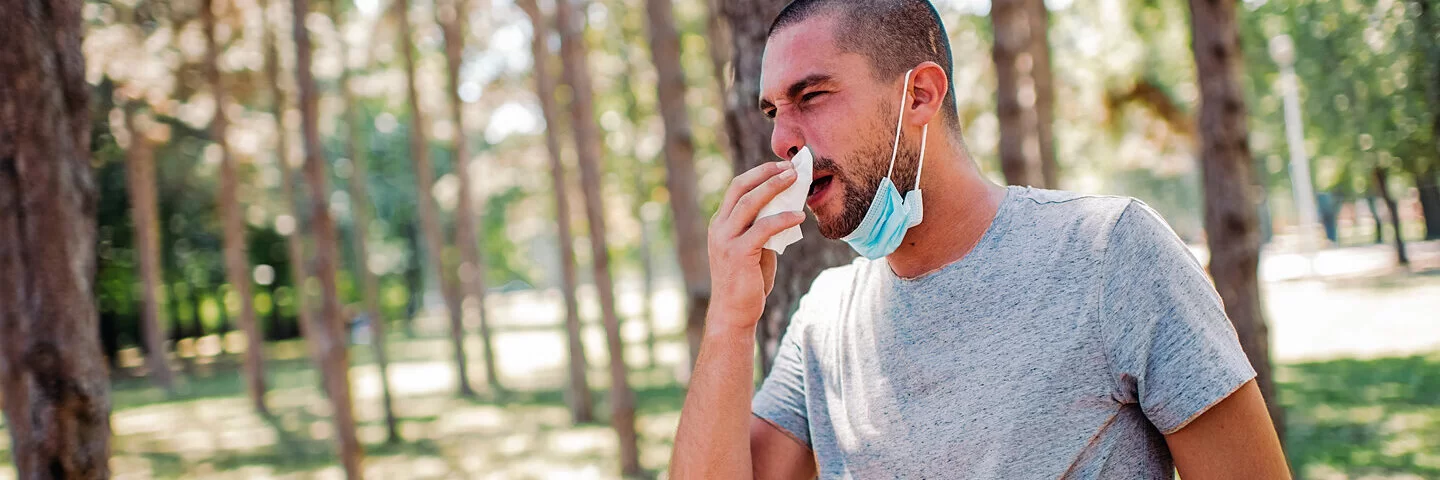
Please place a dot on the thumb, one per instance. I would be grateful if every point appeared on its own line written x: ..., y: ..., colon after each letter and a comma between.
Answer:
x: 767, y: 269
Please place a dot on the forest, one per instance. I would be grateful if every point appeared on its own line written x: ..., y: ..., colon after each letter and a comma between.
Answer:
x: 467, y: 239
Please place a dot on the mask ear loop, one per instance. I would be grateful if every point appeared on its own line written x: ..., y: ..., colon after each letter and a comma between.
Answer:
x: 924, y: 133
x: 905, y: 93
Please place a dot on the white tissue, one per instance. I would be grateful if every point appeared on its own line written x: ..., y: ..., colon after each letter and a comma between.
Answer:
x: 792, y: 199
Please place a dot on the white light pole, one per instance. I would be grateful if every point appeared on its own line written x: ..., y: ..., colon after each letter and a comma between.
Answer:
x: 1282, y: 50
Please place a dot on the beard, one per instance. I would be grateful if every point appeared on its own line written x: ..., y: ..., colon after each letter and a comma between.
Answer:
x: 861, y: 180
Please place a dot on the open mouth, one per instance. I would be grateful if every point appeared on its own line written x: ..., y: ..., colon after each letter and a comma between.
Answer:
x: 818, y: 187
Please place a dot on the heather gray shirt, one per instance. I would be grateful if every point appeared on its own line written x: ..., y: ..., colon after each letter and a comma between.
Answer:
x: 1076, y: 333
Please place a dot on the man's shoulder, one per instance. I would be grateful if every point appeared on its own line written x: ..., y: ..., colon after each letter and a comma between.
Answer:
x: 1069, y: 218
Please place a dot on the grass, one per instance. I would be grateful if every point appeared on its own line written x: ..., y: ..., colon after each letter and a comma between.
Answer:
x: 1376, y: 418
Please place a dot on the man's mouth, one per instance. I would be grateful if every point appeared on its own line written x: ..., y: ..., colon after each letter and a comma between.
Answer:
x: 818, y: 187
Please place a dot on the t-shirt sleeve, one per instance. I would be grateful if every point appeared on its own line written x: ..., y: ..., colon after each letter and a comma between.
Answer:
x: 1170, y: 345
x: 781, y: 398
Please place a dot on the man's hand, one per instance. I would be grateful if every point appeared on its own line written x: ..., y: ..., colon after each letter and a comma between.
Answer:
x: 714, y: 438
x: 742, y: 272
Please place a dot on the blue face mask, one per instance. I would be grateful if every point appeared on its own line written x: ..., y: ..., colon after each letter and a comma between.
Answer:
x: 890, y: 215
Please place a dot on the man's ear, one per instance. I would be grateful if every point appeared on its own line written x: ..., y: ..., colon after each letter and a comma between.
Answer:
x: 927, y: 92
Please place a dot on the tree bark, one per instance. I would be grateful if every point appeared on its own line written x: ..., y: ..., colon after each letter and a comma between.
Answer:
x: 361, y: 210
x: 680, y: 167
x: 1044, y: 79
x: 1017, y: 90
x: 749, y: 133
x: 587, y: 146
x: 237, y: 262
x: 1430, y: 202
x: 451, y: 15
x: 1380, y: 176
x: 52, y: 369
x: 425, y: 202
x: 295, y: 238
x: 144, y: 208
x: 327, y: 334
x: 578, y: 392
x: 1428, y: 180
x: 1231, y: 216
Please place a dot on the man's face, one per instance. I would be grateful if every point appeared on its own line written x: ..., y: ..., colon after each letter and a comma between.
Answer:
x: 830, y: 101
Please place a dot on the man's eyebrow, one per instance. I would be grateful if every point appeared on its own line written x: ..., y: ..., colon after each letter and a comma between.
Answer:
x: 799, y: 86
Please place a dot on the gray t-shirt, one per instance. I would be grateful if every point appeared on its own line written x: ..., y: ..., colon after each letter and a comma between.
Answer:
x: 1075, y: 334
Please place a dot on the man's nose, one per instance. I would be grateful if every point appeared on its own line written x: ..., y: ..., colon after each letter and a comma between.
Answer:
x: 785, y: 140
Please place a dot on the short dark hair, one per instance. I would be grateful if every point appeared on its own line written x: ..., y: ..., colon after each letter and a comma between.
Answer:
x: 896, y: 35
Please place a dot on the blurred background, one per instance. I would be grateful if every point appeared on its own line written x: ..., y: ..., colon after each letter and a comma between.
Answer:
x: 488, y: 269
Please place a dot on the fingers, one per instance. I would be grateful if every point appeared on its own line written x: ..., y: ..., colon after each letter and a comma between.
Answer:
x: 747, y: 181
x: 767, y: 227
x: 749, y: 205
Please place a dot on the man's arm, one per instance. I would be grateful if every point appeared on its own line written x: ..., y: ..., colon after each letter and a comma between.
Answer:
x: 715, y: 435
x: 1233, y: 439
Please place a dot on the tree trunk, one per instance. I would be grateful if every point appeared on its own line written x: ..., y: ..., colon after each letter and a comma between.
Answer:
x: 680, y: 167
x: 52, y: 370
x: 1375, y: 217
x: 749, y: 133
x: 578, y: 393
x: 1429, y: 180
x: 294, y: 238
x: 327, y: 334
x: 1380, y: 175
x: 1430, y: 202
x: 587, y: 146
x: 1231, y: 217
x: 425, y: 202
x: 1017, y: 89
x: 451, y: 15
x: 1039, y: 18
x: 140, y: 173
x: 237, y: 262
x: 361, y: 210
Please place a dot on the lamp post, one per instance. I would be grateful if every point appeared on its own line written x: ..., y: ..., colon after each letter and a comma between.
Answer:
x: 1282, y: 50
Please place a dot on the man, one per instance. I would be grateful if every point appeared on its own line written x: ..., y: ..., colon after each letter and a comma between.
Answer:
x: 988, y: 332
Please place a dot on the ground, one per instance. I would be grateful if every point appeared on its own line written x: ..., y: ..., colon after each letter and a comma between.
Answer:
x: 1357, y: 349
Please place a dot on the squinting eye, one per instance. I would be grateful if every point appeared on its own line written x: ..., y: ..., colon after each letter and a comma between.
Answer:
x: 811, y: 96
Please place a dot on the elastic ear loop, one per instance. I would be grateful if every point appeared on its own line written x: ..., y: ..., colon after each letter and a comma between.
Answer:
x: 924, y: 134
x: 904, y: 93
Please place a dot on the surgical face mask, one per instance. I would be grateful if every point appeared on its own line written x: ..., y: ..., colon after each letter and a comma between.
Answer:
x: 890, y: 215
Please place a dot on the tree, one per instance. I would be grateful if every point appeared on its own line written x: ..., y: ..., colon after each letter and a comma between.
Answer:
x: 361, y: 212
x: 1024, y: 88
x: 326, y: 334
x: 578, y: 392
x: 425, y: 203
x: 587, y: 146
x: 52, y: 371
x: 451, y: 16
x: 294, y: 239
x: 1231, y: 214
x: 1380, y: 176
x: 1428, y: 181
x: 749, y: 133
x: 680, y: 169
x: 237, y: 264
x: 140, y: 176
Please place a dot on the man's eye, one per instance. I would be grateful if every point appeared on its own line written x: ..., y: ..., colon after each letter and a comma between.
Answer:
x: 811, y: 96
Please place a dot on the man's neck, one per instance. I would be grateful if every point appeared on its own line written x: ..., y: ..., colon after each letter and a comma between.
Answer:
x: 959, y: 204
